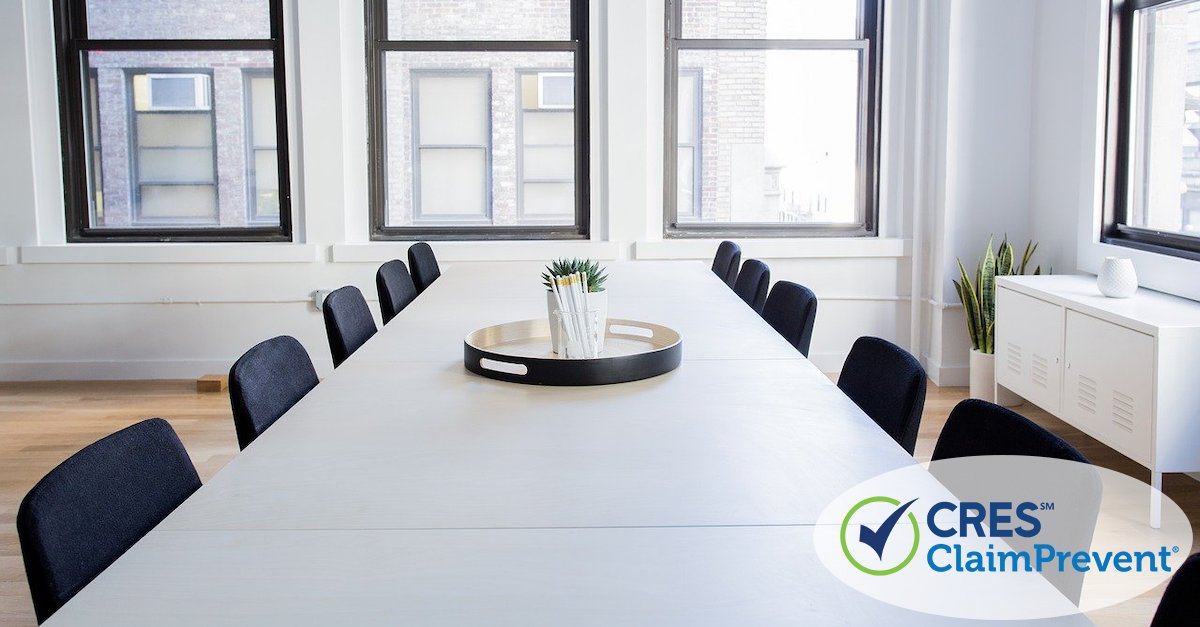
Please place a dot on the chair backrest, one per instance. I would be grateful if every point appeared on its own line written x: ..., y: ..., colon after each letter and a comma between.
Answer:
x: 977, y: 427
x: 424, y: 266
x: 726, y: 262
x: 888, y: 384
x: 752, y: 283
x: 91, y: 508
x: 396, y: 288
x: 266, y: 382
x: 348, y: 322
x: 791, y: 309
x: 1180, y: 603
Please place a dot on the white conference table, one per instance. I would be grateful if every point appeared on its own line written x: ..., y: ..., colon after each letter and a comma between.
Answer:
x: 406, y: 490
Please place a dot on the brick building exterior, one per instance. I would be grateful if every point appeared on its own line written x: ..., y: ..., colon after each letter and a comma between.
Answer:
x: 528, y: 173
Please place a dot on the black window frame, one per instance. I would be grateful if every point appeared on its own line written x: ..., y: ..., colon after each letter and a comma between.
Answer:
x: 379, y: 44
x: 869, y: 40
x: 71, y: 42
x: 1115, y: 229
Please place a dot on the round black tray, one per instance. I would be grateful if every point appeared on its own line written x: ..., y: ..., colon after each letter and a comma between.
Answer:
x: 520, y: 352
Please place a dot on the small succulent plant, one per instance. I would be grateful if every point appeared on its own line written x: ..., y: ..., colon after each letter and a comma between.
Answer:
x: 565, y: 267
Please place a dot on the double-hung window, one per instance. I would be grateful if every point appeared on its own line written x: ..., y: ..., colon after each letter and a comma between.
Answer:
x: 479, y: 118
x: 173, y: 124
x: 771, y: 117
x: 1153, y: 181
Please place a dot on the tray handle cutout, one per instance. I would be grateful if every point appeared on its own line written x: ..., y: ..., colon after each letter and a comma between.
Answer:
x: 629, y: 330
x: 504, y: 366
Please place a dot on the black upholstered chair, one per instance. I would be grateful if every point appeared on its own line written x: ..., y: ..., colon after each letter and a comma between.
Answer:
x: 888, y: 384
x: 348, y: 322
x: 752, y: 283
x: 266, y: 382
x: 791, y: 309
x: 424, y: 266
x: 89, y: 510
x: 396, y: 288
x: 1180, y: 603
x: 977, y: 427
x: 726, y: 262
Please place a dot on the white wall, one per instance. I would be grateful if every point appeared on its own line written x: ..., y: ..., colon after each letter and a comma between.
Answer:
x: 166, y: 311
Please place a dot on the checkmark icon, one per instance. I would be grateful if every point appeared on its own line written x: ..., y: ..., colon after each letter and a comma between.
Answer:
x: 877, y: 538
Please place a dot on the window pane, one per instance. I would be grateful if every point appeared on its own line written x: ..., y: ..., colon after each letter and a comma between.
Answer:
x: 1165, y: 183
x: 201, y: 137
x: 175, y: 129
x: 479, y: 19
x: 687, y: 106
x: 262, y: 111
x: 178, y: 19
x: 435, y: 100
x: 781, y: 132
x: 179, y: 202
x: 686, y: 180
x: 549, y: 163
x: 770, y: 19
x: 452, y: 110
x: 548, y: 199
x: 453, y: 183
x: 175, y: 165
x: 266, y: 188
x: 548, y: 128
x: 556, y: 91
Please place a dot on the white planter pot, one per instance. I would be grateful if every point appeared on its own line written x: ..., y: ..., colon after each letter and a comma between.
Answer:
x: 1117, y: 278
x: 983, y: 381
x: 597, y: 301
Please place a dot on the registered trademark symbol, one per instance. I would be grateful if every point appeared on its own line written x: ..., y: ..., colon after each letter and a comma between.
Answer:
x: 1174, y: 549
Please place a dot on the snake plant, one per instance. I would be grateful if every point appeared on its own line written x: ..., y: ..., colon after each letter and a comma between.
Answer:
x: 564, y: 267
x: 979, y: 297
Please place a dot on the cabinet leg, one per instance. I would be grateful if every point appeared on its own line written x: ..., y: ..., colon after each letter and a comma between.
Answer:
x: 1156, y: 499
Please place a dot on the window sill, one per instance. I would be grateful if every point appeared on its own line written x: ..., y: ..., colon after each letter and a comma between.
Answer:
x: 795, y: 248
x: 169, y: 253
x: 540, y: 250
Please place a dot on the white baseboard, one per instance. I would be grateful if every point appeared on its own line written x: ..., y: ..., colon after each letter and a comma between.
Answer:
x: 947, y: 375
x: 110, y: 370
x: 829, y: 363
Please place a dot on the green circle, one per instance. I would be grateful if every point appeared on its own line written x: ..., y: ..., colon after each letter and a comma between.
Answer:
x: 871, y: 571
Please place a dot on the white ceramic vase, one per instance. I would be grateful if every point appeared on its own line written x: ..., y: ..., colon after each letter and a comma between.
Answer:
x: 1117, y: 278
x: 983, y: 381
x: 597, y: 301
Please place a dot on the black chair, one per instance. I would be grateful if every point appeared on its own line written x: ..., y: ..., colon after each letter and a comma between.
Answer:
x: 726, y: 262
x: 91, y: 508
x: 266, y: 382
x: 348, y: 322
x: 888, y: 384
x: 791, y: 309
x: 752, y: 283
x: 424, y: 266
x: 977, y: 427
x: 396, y: 288
x: 1180, y: 603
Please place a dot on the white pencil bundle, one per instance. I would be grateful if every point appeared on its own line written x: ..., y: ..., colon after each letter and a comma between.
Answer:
x: 570, y: 291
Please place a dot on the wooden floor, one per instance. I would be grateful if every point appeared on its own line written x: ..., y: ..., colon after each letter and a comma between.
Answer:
x: 43, y: 423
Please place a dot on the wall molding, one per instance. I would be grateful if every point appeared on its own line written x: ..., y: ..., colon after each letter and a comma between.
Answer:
x: 489, y: 250
x: 111, y: 370
x: 784, y: 248
x: 169, y: 253
x: 8, y: 255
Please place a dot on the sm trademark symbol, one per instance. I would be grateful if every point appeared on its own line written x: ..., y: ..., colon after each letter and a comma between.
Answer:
x: 1046, y: 507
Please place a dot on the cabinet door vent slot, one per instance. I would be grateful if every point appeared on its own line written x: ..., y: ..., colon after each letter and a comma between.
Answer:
x: 1122, y: 411
x: 1014, y: 359
x: 1087, y: 394
x: 1039, y: 371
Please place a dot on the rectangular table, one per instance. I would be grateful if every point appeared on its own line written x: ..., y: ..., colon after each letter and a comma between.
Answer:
x: 404, y: 489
